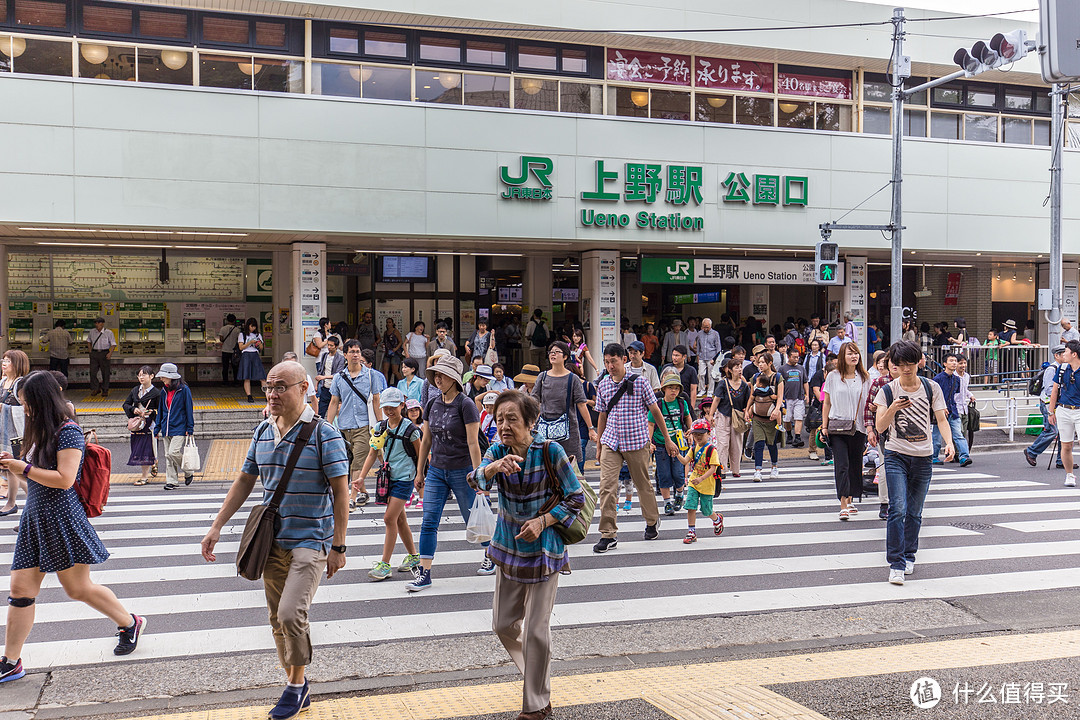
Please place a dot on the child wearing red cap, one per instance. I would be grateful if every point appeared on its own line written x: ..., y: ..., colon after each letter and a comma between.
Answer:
x: 704, y: 463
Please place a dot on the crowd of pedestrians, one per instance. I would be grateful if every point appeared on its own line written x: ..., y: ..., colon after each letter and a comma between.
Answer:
x: 674, y: 414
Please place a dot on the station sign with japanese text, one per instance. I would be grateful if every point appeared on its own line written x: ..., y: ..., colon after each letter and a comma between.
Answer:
x: 728, y: 271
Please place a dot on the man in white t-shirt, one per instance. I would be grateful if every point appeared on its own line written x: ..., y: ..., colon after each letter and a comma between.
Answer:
x: 906, y: 409
x: 638, y: 366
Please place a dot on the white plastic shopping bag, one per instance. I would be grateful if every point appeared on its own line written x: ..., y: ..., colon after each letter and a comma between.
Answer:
x: 481, y: 525
x: 189, y: 464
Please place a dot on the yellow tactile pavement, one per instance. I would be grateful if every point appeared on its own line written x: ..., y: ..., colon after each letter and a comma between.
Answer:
x: 735, y: 686
x: 211, y: 399
x: 221, y: 464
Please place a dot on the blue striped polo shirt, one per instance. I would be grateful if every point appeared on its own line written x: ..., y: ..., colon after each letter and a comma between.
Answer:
x: 306, y: 515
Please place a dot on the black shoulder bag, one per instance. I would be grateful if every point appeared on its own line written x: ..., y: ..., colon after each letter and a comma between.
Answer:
x: 258, y: 537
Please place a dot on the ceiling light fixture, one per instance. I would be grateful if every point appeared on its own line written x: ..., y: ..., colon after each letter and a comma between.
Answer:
x: 532, y: 86
x: 72, y: 244
x: 205, y: 247
x: 640, y: 98
x: 174, y: 59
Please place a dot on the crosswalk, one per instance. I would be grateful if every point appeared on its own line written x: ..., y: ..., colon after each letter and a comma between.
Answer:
x: 783, y: 548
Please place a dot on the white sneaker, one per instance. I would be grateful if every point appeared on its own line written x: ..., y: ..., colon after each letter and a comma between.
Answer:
x: 774, y: 473
x: 896, y: 577
x: 813, y: 455
x: 1070, y: 480
x: 909, y: 567
x: 757, y: 476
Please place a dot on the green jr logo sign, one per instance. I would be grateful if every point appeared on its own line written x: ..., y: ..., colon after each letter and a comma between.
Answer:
x: 531, y: 165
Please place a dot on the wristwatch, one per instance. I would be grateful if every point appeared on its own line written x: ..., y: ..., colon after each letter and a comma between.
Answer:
x: 26, y: 470
x: 339, y: 548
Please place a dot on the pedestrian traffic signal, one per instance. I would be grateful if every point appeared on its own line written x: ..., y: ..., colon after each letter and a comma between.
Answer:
x: 827, y: 263
x: 1003, y: 49
x: 1059, y: 50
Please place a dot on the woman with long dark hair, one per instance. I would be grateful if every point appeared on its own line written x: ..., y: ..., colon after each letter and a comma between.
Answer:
x: 175, y: 421
x: 54, y: 534
x: 15, y: 366
x: 142, y: 403
x: 251, y: 366
x: 392, y: 352
x: 843, y: 400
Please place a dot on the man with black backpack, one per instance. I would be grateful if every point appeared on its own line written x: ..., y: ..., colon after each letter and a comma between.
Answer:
x: 536, y: 332
x: 1040, y: 385
x: 354, y: 400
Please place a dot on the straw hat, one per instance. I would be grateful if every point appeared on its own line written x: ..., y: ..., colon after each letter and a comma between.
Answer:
x: 528, y: 374
x: 447, y: 365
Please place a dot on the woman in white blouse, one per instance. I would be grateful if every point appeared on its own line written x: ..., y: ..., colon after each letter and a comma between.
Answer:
x: 842, y: 422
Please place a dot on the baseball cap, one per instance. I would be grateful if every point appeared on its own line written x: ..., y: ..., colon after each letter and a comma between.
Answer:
x: 700, y: 426
x: 636, y: 345
x: 391, y: 397
x: 490, y: 398
x: 412, y: 403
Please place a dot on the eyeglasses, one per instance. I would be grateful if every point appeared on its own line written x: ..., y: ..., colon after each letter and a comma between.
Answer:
x: 269, y: 390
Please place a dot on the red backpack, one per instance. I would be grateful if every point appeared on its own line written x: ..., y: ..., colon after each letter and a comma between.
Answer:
x: 93, y: 486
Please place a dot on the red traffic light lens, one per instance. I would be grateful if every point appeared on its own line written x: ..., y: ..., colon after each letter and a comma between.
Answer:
x: 1002, y: 46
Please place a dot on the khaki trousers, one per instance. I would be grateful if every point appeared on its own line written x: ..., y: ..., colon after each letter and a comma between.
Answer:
x: 521, y: 618
x: 611, y: 462
x: 290, y: 580
x: 174, y: 455
x: 729, y: 444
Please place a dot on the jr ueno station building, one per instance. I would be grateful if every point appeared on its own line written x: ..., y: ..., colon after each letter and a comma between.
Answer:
x: 285, y: 160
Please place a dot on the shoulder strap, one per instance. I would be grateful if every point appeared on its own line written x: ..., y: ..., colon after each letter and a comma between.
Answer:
x: 569, y: 390
x: 623, y: 387
x: 888, y: 394
x: 345, y: 374
x: 290, y: 464
x: 929, y: 396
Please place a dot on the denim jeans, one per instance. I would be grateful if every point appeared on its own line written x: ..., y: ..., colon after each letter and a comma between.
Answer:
x: 670, y: 472
x: 437, y: 486
x: 581, y: 457
x: 759, y: 453
x: 324, y: 400
x: 1047, y: 436
x: 908, y: 478
x: 959, y: 440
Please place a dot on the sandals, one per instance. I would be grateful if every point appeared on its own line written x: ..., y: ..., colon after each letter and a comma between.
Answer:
x: 845, y: 514
x: 141, y: 481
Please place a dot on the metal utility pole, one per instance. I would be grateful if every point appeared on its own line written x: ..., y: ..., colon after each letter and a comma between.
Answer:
x: 1059, y: 99
x: 899, y: 64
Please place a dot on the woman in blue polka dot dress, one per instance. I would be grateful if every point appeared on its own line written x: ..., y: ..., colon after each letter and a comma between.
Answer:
x: 54, y: 534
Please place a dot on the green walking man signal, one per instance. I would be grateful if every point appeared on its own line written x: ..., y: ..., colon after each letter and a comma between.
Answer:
x: 826, y: 262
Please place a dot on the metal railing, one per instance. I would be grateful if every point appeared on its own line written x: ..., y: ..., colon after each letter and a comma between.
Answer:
x: 1006, y: 367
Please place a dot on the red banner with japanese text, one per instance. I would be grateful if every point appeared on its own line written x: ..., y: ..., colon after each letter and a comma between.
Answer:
x: 720, y: 74
x: 952, y: 288
x: 813, y: 85
x: 640, y: 66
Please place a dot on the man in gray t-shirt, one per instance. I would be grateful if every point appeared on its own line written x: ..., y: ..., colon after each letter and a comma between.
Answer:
x: 796, y: 390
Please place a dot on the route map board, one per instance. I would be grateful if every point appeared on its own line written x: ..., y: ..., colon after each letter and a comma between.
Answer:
x: 123, y: 277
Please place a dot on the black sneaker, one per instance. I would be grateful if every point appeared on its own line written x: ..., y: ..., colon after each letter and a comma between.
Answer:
x: 605, y: 544
x: 678, y: 502
x: 669, y: 508
x: 188, y: 479
x: 10, y: 670
x: 170, y: 486
x: 652, y: 532
x: 883, y: 511
x: 129, y: 636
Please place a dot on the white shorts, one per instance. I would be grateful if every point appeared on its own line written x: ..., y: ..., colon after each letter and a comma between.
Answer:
x: 794, y: 410
x: 1068, y: 421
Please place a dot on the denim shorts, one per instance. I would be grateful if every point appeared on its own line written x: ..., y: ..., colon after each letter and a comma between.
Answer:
x: 402, y: 489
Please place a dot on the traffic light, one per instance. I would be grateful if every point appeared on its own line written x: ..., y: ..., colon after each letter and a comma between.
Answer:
x: 1058, y: 20
x: 827, y: 263
x: 1003, y: 48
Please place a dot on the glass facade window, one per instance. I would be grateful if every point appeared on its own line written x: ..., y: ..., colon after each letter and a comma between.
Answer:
x: 1016, y: 130
x: 440, y: 49
x: 163, y: 24
x: 41, y: 13
x: 344, y: 40
x: 575, y: 60
x: 980, y: 128
x: 877, y: 120
x: 1018, y: 100
x: 1041, y: 133
x: 753, y: 111
x: 669, y: 105
x: 336, y: 79
x: 951, y: 94
x: 980, y: 96
x: 387, y: 83
x: 172, y: 67
x: 536, y: 94
x: 35, y: 57
x: 105, y: 62
x: 111, y: 19
x: 946, y: 126
x: 915, y: 123
x: 715, y: 108
x: 796, y: 114
x: 581, y: 98
x: 224, y: 71
x: 479, y: 52
x: 487, y: 90
x: 284, y: 76
x: 628, y: 102
x: 226, y: 30
x: 386, y: 44
x: 833, y: 117
x: 877, y: 91
x: 438, y: 87
x: 537, y: 57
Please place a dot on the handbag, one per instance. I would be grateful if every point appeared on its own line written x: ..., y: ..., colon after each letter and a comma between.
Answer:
x: 259, y: 531
x: 559, y: 428
x: 189, y: 463
x: 738, y: 419
x: 136, y: 424
x: 974, y: 418
x: 491, y: 357
x: 382, y: 475
x: 838, y: 426
x: 580, y: 527
x: 312, y: 349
